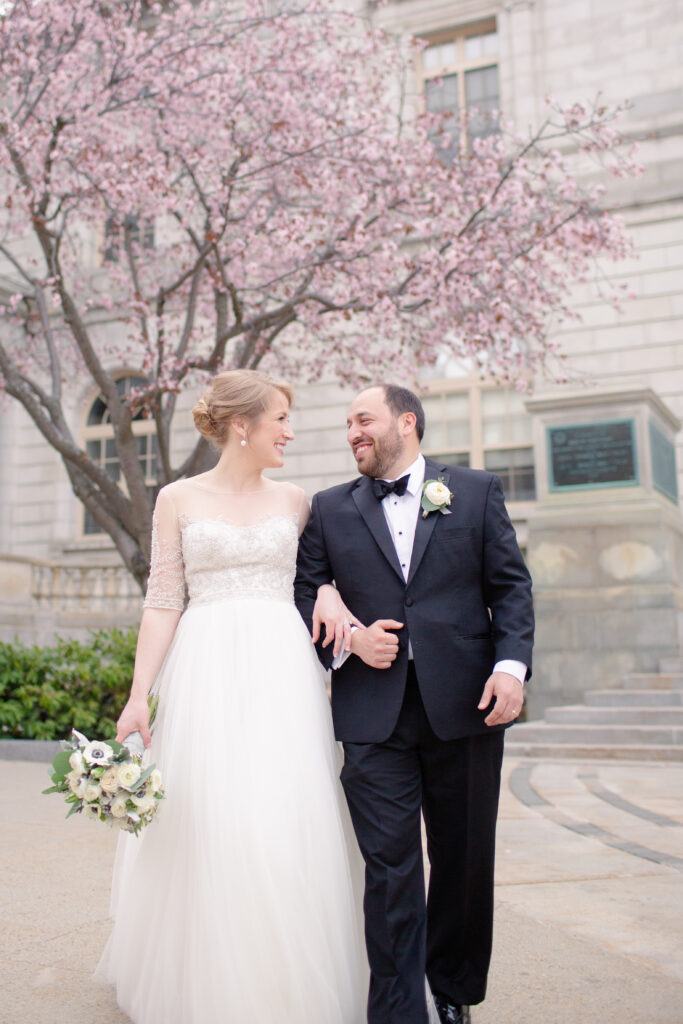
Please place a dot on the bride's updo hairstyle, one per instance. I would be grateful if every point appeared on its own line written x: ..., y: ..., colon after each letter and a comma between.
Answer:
x: 245, y: 393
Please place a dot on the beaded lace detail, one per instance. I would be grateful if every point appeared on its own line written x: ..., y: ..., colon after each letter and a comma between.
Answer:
x: 226, y: 561
x: 209, y: 557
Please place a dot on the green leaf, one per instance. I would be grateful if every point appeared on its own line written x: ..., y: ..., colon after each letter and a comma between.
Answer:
x: 143, y: 778
x: 75, y: 809
x: 52, y: 789
x: 60, y: 762
x: 153, y: 705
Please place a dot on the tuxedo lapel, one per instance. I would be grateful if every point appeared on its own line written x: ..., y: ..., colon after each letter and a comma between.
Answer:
x: 425, y: 527
x: 371, y: 510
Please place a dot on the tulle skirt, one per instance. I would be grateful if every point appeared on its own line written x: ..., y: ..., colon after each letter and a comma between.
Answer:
x: 242, y: 901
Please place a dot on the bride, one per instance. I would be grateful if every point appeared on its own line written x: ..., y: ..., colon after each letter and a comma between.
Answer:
x: 241, y: 902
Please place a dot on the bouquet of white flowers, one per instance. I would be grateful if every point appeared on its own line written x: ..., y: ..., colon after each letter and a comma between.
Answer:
x: 106, y: 781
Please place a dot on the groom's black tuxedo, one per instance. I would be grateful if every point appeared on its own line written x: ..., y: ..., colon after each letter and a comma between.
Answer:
x: 414, y: 741
x: 463, y: 565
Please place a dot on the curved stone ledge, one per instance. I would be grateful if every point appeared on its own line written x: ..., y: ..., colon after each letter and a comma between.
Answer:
x: 29, y: 750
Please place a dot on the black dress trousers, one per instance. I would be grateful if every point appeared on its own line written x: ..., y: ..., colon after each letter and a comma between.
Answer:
x: 455, y: 784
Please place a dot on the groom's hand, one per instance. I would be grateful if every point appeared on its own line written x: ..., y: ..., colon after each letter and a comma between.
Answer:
x: 509, y: 696
x: 376, y: 645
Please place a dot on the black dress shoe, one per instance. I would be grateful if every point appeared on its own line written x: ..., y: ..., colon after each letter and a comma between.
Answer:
x: 449, y: 1013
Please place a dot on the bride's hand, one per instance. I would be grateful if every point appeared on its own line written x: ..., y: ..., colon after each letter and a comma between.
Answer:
x: 331, y: 612
x: 134, y: 718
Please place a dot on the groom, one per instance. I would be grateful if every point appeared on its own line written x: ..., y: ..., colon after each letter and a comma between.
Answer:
x: 422, y: 700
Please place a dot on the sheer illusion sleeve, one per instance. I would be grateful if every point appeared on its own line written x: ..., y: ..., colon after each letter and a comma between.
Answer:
x: 304, y: 511
x: 166, y: 585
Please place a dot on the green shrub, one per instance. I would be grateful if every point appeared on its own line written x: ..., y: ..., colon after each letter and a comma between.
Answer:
x: 47, y: 691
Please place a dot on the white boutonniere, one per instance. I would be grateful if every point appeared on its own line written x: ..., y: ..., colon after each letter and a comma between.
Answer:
x: 435, y: 497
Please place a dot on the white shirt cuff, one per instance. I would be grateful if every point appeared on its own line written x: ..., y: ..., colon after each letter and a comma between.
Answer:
x: 342, y: 656
x: 513, y: 668
x: 339, y: 660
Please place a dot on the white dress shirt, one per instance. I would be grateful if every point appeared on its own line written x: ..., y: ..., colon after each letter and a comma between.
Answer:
x: 401, y: 512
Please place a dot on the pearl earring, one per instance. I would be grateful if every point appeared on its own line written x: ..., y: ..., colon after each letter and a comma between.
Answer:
x: 243, y: 443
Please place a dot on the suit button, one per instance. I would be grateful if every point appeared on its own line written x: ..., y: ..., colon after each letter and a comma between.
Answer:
x: 409, y: 601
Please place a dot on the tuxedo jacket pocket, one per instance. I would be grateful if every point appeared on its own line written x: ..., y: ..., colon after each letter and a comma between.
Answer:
x: 455, y: 533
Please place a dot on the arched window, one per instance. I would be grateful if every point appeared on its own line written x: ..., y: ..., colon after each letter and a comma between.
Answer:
x: 100, y: 446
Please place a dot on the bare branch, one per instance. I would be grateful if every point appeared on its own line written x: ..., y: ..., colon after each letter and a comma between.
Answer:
x: 53, y: 354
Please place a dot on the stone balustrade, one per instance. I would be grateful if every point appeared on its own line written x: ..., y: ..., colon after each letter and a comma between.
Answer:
x: 40, y: 599
x: 96, y: 588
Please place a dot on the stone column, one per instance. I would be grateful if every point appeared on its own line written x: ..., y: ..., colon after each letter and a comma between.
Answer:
x: 605, y: 544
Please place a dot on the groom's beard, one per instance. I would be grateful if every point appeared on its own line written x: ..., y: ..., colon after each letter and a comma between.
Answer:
x: 386, y: 451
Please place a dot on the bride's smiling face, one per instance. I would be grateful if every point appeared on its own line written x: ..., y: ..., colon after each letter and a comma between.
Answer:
x: 268, y: 435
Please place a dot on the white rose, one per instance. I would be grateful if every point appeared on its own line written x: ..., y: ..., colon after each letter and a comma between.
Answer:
x: 77, y: 783
x: 76, y: 762
x: 110, y: 780
x: 154, y: 781
x: 92, y: 811
x: 118, y: 807
x: 437, y: 493
x: 98, y: 753
x: 128, y: 774
x: 91, y: 792
x: 144, y: 803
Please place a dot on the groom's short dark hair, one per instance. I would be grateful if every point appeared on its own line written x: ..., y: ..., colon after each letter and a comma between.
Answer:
x: 402, y: 400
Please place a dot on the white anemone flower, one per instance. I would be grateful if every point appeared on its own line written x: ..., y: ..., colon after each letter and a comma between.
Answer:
x: 98, y: 753
x: 144, y: 803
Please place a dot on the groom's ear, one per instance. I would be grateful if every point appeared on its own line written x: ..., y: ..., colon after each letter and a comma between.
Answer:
x: 407, y: 422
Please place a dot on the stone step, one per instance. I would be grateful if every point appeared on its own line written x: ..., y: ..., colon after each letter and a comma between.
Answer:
x: 633, y: 698
x: 579, y: 714
x: 580, y: 751
x: 653, y: 681
x: 598, y: 735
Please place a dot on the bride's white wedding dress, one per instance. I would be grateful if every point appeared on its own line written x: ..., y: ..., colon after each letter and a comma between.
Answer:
x: 242, y: 902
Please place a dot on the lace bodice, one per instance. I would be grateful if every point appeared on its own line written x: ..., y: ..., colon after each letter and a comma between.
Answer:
x: 213, y: 547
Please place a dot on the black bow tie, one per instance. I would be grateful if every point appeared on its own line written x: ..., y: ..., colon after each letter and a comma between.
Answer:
x: 384, y: 487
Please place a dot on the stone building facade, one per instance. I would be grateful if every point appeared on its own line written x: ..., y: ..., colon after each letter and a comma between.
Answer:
x: 493, y: 54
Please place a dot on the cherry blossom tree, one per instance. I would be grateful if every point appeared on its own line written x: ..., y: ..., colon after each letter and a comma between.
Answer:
x: 193, y: 186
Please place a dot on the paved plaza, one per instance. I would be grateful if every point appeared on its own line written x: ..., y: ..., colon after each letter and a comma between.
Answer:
x: 589, y: 899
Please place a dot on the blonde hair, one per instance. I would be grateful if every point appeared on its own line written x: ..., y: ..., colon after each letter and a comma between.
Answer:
x: 246, y: 393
